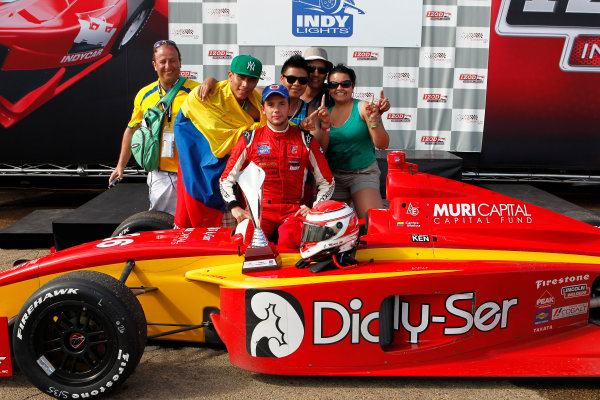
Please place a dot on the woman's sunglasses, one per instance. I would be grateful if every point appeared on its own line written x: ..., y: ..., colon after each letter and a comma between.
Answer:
x: 345, y: 84
x: 322, y: 70
x: 303, y: 80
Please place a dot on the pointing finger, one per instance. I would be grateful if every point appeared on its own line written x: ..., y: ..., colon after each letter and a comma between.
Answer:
x: 323, y: 101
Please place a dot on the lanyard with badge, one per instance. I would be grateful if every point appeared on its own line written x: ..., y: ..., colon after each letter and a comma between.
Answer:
x: 168, y: 135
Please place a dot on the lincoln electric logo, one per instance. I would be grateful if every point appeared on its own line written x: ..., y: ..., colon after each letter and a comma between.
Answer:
x: 323, y: 18
x: 577, y: 20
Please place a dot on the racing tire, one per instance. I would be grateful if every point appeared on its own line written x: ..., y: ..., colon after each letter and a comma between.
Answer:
x: 133, y: 26
x: 332, y: 6
x: 145, y: 221
x: 80, y: 335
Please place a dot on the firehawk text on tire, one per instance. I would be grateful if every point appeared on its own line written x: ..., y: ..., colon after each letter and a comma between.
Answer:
x: 80, y: 335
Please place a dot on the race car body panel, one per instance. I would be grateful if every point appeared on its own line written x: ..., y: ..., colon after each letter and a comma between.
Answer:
x: 50, y: 36
x: 452, y: 279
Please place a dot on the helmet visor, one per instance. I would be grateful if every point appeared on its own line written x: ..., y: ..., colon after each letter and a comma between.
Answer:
x: 316, y: 233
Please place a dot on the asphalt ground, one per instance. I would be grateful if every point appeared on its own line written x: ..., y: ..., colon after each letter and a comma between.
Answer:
x: 170, y: 370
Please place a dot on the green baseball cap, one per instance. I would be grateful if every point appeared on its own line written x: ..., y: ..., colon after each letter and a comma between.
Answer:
x: 246, y: 65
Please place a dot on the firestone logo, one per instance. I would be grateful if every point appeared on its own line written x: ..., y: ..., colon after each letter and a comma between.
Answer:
x: 319, y: 18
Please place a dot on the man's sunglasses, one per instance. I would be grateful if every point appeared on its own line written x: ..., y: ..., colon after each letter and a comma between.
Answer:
x: 303, y: 80
x: 161, y: 42
x: 345, y: 84
x: 322, y: 70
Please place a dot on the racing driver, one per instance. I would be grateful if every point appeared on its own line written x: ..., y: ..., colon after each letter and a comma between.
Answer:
x: 286, y: 154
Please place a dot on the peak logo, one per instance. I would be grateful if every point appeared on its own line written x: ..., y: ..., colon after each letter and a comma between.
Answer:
x: 438, y: 15
x: 576, y: 20
x: 274, y: 323
x: 323, y: 18
x: 365, y: 55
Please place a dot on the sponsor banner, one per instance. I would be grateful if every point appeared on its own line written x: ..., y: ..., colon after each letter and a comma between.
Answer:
x: 185, y: 33
x: 219, y: 13
x: 282, y: 53
x: 193, y: 72
x: 268, y: 75
x: 468, y: 120
x: 365, y: 93
x: 570, y: 311
x: 365, y: 56
x: 436, y: 57
x: 219, y: 54
x: 331, y: 23
x: 401, y: 77
x: 433, y: 140
x: 470, y: 78
x: 400, y: 119
x: 473, y: 37
x: 434, y: 98
x: 577, y: 22
x: 439, y: 15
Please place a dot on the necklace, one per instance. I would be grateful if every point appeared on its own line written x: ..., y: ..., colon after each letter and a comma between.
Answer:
x: 245, y: 105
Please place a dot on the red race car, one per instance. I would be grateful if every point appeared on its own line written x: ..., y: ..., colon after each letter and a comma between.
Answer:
x: 451, y: 280
x: 40, y: 39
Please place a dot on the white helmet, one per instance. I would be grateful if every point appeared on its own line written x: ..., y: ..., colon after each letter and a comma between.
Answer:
x: 330, y: 227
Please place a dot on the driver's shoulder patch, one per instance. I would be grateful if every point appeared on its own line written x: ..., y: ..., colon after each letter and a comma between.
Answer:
x: 248, y: 136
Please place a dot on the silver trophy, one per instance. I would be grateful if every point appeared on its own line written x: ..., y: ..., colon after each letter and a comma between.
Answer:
x: 259, y: 255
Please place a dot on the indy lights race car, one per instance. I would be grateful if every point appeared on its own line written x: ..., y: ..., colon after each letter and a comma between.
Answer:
x: 42, y: 40
x: 451, y: 280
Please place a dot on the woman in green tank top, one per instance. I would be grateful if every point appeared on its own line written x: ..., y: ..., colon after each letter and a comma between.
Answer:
x: 356, y: 130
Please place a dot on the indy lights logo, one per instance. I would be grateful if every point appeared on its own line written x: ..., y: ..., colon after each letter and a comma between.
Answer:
x: 576, y: 20
x: 323, y: 18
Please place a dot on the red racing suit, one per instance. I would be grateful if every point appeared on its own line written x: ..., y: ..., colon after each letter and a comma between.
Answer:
x: 286, y: 157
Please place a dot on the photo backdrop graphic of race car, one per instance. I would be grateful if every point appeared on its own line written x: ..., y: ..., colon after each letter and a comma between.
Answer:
x: 49, y: 36
x: 506, y: 83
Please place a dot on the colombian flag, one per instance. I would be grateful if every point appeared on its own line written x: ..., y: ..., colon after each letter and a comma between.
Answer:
x: 205, y: 133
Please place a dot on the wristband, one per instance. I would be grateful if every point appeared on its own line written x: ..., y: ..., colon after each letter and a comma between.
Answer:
x: 375, y: 126
x: 232, y: 204
x: 325, y: 129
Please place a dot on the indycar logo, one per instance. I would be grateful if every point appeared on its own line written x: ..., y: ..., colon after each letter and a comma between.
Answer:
x: 485, y: 317
x: 576, y: 20
x: 274, y: 323
x: 323, y: 18
x: 399, y: 117
x: 221, y: 55
x: 365, y: 55
x: 438, y: 15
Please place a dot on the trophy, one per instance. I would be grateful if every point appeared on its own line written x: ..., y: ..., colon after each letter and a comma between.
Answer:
x: 259, y: 256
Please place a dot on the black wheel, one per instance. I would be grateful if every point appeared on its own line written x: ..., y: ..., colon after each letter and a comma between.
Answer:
x: 145, y: 221
x: 134, y: 24
x: 80, y: 335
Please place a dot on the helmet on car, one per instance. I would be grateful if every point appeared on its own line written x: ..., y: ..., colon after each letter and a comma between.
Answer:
x: 331, y: 227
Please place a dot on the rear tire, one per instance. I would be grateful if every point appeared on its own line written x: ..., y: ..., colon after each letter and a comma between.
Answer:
x: 80, y: 335
x: 145, y: 221
x: 133, y: 26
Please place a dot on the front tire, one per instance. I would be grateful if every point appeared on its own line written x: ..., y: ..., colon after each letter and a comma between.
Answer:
x: 80, y: 335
